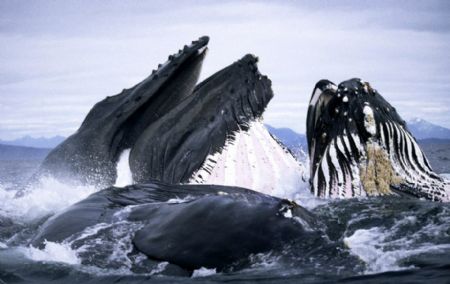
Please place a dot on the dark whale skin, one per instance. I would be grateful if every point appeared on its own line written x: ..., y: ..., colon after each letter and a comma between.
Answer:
x: 173, y: 148
x: 170, y: 125
x: 215, y: 227
x: 114, y: 124
x: 216, y: 231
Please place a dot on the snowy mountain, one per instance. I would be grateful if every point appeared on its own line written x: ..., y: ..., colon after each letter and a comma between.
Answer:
x: 296, y: 142
x: 40, y: 142
x: 422, y: 129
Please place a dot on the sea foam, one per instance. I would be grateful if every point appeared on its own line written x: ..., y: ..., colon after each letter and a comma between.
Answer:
x: 46, y: 197
x: 52, y: 252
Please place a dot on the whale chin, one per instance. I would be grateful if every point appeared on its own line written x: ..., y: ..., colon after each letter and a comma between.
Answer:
x: 359, y: 146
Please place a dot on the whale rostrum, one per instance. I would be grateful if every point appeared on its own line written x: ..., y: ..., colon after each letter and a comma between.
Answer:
x: 359, y: 146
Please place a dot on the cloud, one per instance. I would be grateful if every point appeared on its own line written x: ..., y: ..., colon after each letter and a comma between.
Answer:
x: 62, y: 57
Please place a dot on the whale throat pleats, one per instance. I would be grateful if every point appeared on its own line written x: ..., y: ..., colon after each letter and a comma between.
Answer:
x: 359, y: 146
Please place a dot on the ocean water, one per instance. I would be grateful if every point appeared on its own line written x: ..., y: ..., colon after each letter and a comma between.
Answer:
x: 378, y: 240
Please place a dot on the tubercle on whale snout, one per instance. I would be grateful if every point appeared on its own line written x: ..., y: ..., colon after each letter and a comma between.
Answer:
x: 245, y: 92
x: 256, y: 90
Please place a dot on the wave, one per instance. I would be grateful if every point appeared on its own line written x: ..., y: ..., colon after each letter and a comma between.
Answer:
x: 46, y: 197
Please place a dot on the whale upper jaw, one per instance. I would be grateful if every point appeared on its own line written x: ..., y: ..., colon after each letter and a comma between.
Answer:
x: 115, y: 123
x: 360, y: 146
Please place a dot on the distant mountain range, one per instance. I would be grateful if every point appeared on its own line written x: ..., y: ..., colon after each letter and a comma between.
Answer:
x: 10, y: 152
x: 29, y: 147
x: 422, y: 129
x: 296, y: 142
x: 40, y: 142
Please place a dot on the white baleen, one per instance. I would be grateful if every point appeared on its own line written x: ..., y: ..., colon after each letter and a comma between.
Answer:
x: 255, y: 160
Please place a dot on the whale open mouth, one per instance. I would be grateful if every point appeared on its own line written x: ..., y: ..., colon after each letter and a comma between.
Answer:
x: 360, y: 146
x: 178, y: 131
x: 216, y: 136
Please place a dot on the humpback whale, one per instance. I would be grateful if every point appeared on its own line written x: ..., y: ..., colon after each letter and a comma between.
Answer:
x: 359, y: 146
x: 178, y: 132
x: 192, y: 150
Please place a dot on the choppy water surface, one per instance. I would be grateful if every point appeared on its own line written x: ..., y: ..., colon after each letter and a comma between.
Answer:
x: 376, y: 240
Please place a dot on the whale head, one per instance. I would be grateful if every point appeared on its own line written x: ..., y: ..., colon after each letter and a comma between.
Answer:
x: 360, y: 146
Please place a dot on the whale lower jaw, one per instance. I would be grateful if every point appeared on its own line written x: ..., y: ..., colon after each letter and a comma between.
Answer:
x: 254, y: 159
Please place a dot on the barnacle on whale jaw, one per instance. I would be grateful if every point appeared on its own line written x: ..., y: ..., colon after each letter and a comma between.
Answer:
x: 377, y: 173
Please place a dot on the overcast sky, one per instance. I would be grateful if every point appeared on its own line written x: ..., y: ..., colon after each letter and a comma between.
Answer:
x: 58, y: 58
